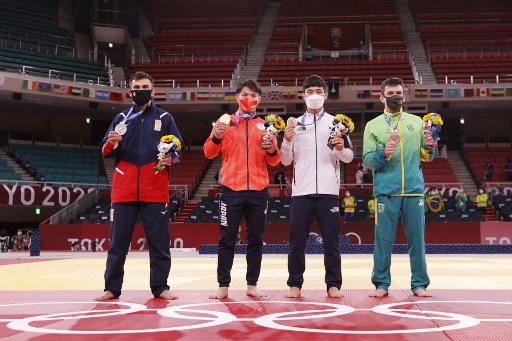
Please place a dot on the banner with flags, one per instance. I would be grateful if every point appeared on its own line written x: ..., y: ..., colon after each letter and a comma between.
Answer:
x: 263, y: 95
x: 128, y: 97
x: 102, y: 94
x: 202, y: 95
x: 217, y: 95
x: 288, y: 94
x: 275, y: 95
x: 60, y: 89
x: 86, y: 92
x: 175, y: 95
x: 420, y: 93
x: 363, y: 93
x: 483, y: 92
x: 508, y: 92
x: 160, y: 96
x: 300, y: 94
x: 75, y: 90
x: 498, y: 92
x: 467, y: 93
x: 436, y: 93
x: 44, y: 87
x: 29, y: 85
x: 452, y: 92
x: 229, y: 95
x: 116, y: 96
x: 188, y: 95
x: 376, y: 93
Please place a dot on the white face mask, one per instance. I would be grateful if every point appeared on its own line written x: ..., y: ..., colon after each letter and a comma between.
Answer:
x: 315, y: 101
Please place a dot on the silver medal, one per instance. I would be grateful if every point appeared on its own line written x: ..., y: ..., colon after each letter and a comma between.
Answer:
x: 121, y: 128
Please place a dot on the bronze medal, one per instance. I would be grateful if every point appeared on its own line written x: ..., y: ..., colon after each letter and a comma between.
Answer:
x: 395, y: 137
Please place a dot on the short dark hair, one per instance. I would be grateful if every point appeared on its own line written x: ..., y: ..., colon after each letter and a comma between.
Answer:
x: 314, y: 80
x: 140, y: 75
x: 391, y: 82
x: 251, y: 84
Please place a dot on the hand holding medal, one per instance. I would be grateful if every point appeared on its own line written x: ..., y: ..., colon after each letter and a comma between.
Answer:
x: 221, y: 126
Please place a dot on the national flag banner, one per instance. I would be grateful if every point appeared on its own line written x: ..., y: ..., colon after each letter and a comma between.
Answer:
x: 127, y: 97
x: 483, y: 92
x: 376, y: 93
x: 263, y: 95
x: 468, y: 93
x: 217, y: 95
x: 497, y: 92
x: 116, y: 96
x: 363, y: 93
x: 75, y: 90
x: 102, y: 94
x: 508, y: 92
x: 300, y: 94
x: 275, y: 95
x: 420, y: 93
x: 44, y: 87
x: 202, y: 95
x: 229, y: 95
x: 86, y: 92
x: 2, y: 80
x: 175, y: 95
x: 188, y: 96
x: 288, y: 94
x: 160, y: 96
x: 29, y: 85
x: 452, y: 92
x: 60, y: 89
x: 435, y: 93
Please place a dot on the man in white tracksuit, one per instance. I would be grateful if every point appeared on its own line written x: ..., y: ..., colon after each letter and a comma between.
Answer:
x: 316, y: 186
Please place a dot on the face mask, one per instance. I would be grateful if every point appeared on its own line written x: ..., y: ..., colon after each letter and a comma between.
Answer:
x: 141, y: 97
x: 248, y: 104
x: 315, y: 101
x: 394, y: 102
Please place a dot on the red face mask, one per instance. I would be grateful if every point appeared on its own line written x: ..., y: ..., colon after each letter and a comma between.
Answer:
x: 248, y: 104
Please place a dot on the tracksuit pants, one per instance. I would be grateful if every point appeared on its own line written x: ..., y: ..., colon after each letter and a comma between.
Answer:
x: 253, y: 205
x: 327, y: 212
x: 387, y: 211
x: 155, y: 219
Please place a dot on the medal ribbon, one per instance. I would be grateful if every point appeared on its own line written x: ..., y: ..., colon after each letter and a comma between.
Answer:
x: 303, y: 117
x: 388, y: 121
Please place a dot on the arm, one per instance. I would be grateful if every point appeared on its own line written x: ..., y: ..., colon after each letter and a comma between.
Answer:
x: 111, y: 139
x: 211, y: 147
x: 286, y: 152
x: 274, y: 157
x: 428, y: 148
x: 373, y: 151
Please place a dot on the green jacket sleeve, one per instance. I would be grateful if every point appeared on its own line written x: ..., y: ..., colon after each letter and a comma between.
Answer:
x: 373, y: 150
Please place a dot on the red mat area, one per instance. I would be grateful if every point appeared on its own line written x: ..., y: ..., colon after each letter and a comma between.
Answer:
x: 449, y: 315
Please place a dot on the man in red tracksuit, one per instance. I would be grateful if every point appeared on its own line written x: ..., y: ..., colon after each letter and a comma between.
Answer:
x: 133, y: 138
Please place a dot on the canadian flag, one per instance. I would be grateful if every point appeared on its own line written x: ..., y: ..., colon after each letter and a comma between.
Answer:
x: 483, y: 92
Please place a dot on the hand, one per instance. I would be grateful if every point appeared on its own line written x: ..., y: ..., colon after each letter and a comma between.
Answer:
x: 289, y: 133
x: 338, y: 142
x: 389, y: 149
x: 114, y: 137
x: 429, y: 141
x: 166, y: 160
x: 219, y: 129
x: 268, y: 146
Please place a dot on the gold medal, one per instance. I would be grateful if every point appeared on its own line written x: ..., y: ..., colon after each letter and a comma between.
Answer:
x: 226, y: 119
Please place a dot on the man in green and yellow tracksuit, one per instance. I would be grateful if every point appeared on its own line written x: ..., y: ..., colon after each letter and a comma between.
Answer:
x: 394, y: 145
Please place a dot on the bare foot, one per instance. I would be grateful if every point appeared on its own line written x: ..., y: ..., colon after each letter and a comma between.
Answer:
x: 335, y: 292
x: 221, y: 293
x: 253, y: 291
x: 293, y: 293
x: 168, y: 296
x: 107, y: 295
x: 379, y: 293
x: 422, y: 293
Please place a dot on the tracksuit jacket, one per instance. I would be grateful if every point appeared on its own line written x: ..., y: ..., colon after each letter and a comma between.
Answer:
x: 136, y: 155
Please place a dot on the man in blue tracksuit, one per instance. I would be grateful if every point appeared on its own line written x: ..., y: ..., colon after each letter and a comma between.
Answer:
x: 133, y: 138
x: 316, y: 186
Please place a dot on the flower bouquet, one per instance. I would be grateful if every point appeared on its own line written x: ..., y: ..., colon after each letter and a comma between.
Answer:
x: 168, y: 144
x: 432, y: 123
x: 273, y: 124
x: 342, y: 126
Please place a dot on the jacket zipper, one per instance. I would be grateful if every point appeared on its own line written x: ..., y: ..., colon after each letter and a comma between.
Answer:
x: 316, y: 156
x: 247, y: 149
x: 138, y: 161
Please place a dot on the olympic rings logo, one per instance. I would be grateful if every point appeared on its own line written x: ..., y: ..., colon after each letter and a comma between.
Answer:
x: 209, y: 317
